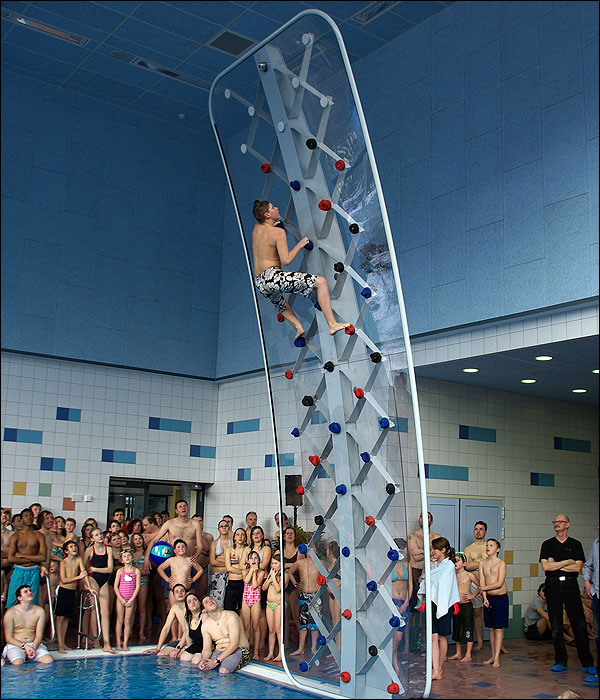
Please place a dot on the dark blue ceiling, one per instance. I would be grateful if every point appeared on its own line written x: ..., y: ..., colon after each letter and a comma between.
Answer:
x: 174, y: 36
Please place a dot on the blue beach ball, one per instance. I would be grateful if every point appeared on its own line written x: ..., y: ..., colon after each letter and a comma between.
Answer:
x: 160, y: 552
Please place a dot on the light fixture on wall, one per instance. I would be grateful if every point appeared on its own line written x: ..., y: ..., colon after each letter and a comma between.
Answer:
x: 543, y: 358
x: 579, y: 391
x: 528, y: 381
x: 470, y: 370
x: 595, y: 371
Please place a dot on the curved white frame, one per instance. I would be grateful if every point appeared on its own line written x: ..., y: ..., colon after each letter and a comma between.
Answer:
x: 404, y: 322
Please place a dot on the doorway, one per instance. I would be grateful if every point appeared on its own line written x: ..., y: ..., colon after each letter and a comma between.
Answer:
x: 140, y: 497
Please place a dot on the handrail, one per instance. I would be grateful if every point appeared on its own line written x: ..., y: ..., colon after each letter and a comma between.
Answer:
x: 51, y: 608
x: 83, y: 607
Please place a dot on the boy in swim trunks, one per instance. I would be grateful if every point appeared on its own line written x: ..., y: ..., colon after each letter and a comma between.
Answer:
x: 307, y: 572
x: 492, y: 575
x: 71, y: 571
x: 463, y: 624
x: 270, y: 252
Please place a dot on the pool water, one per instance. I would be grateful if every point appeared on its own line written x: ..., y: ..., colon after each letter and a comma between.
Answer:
x: 133, y: 677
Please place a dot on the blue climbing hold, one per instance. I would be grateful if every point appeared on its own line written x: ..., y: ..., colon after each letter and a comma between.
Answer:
x: 296, y: 432
x: 303, y: 666
x: 346, y: 551
x: 295, y: 185
x: 393, y: 555
x: 372, y: 586
x: 310, y: 245
x: 366, y: 293
x: 384, y: 423
x: 365, y: 456
x: 300, y: 342
x: 335, y: 428
x: 321, y: 640
x: 394, y: 621
x: 341, y: 489
x: 302, y: 548
x: 317, y: 306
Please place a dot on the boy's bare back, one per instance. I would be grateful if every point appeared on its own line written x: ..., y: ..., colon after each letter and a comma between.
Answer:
x: 264, y: 247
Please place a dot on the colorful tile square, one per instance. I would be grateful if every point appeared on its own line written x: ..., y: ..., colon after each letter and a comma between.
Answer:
x: 470, y: 432
x: 53, y: 464
x: 177, y: 426
x: 243, y: 426
x: 572, y: 445
x: 19, y: 488
x: 19, y: 435
x: 68, y: 504
x: 44, y: 490
x: 243, y: 474
x: 444, y: 471
x: 539, y: 479
x: 120, y: 456
x: 204, y: 451
x: 73, y: 414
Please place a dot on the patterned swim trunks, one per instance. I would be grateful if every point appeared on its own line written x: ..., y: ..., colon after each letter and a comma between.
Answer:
x: 306, y: 620
x: 273, y: 281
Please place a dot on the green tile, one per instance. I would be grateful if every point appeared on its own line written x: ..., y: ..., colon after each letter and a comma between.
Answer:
x: 44, y: 489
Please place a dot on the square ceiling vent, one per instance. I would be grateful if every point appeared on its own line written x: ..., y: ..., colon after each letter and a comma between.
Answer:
x: 231, y: 43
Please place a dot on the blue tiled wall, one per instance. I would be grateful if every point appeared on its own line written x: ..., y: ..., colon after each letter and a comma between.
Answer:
x: 106, y: 252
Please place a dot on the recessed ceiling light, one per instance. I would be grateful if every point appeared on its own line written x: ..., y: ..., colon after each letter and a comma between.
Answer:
x: 595, y: 371
x: 470, y: 370
x: 579, y: 391
x: 528, y: 381
x: 544, y: 358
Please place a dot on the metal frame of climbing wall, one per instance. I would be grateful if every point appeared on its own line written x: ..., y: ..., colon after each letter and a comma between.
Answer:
x: 349, y: 390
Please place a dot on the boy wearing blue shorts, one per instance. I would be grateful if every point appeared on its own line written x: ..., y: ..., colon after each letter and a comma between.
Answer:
x: 492, y: 578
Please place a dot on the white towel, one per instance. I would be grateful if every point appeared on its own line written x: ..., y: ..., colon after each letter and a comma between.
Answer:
x: 444, y: 589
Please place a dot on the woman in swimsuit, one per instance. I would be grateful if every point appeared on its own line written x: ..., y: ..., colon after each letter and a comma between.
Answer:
x: 260, y: 544
x: 235, y: 556
x: 218, y: 566
x: 333, y: 554
x: 190, y: 646
x: 98, y: 560
x: 137, y: 544
x: 290, y: 555
x: 253, y: 580
x: 273, y: 585
x: 402, y: 587
x: 85, y: 540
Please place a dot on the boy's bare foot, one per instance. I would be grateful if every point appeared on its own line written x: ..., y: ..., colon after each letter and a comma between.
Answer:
x: 489, y: 661
x: 268, y: 658
x: 61, y: 650
x: 256, y: 657
x: 118, y: 647
x: 504, y: 650
x: 478, y: 648
x: 277, y: 658
x: 125, y: 648
x: 108, y: 650
x: 454, y: 657
x: 299, y: 331
x: 335, y: 327
x: 298, y: 652
x: 465, y: 660
x: 496, y: 664
x: 142, y: 640
x: 436, y: 676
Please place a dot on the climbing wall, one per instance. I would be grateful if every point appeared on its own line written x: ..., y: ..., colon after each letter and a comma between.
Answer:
x: 289, y: 124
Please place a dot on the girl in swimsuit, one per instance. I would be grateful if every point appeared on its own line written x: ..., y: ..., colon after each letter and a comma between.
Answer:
x: 253, y: 579
x: 98, y: 559
x: 190, y: 647
x: 333, y: 554
x: 273, y: 586
x: 290, y: 555
x: 137, y: 543
x: 234, y: 560
x: 259, y: 544
x: 85, y: 540
x: 127, y: 587
x: 218, y: 566
x: 402, y: 588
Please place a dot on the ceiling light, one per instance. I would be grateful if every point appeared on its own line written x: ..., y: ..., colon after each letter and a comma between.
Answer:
x: 595, y: 371
x: 544, y: 358
x: 44, y: 28
x: 470, y: 370
x: 168, y: 73
x: 372, y: 10
x: 579, y: 391
x: 528, y: 381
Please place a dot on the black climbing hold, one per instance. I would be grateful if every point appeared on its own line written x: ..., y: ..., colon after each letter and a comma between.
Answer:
x: 375, y: 357
x: 308, y: 401
x: 311, y: 143
x: 339, y: 267
x: 328, y: 366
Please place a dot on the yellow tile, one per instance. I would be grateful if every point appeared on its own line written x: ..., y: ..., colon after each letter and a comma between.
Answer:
x: 533, y: 570
x: 516, y: 584
x: 19, y: 488
x: 508, y: 556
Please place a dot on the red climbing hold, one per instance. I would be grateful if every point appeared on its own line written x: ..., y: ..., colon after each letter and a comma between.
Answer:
x: 340, y: 165
x: 314, y: 460
x: 321, y: 580
x: 347, y: 614
x: 280, y: 318
x: 265, y: 167
x: 324, y: 205
x: 370, y: 520
x: 288, y: 374
x: 359, y: 393
x: 393, y: 689
x: 349, y: 330
x: 300, y: 490
x: 345, y: 677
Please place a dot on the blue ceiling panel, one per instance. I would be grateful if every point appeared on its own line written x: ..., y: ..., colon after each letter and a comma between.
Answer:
x: 132, y: 50
x: 279, y: 11
x: 211, y: 59
x: 46, y: 45
x: 86, y: 13
x: 64, y: 23
x: 388, y: 26
x: 125, y: 72
x: 93, y: 83
x: 40, y: 65
x: 416, y: 11
x: 157, y: 104
x: 170, y: 19
x: 218, y: 12
x: 338, y: 10
x: 254, y: 26
x: 124, y: 7
x: 148, y: 35
x: 182, y: 92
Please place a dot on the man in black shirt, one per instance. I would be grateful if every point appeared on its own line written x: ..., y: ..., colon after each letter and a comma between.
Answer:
x: 562, y: 559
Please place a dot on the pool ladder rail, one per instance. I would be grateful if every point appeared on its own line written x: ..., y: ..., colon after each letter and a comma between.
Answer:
x: 83, y: 605
x: 51, y: 609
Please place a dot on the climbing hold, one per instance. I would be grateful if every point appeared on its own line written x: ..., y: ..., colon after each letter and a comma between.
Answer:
x: 375, y: 357
x: 321, y: 580
x: 370, y: 520
x: 393, y: 555
x: 390, y: 488
x: 288, y: 374
x: 345, y: 677
x: 314, y: 460
x: 324, y: 205
x: 366, y: 293
x: 359, y: 393
x: 321, y: 640
x: 394, y: 621
x: 365, y: 456
x: 349, y: 330
x: 311, y: 143
x: 310, y: 245
x: 340, y: 165
x: 341, y: 489
x: 307, y: 400
x: 303, y: 666
x: 354, y: 228
x: 328, y: 366
x: 371, y: 585
x: 317, y: 306
x: 300, y: 490
x: 295, y: 185
x: 384, y: 423
x: 262, y: 67
x: 296, y: 432
x: 339, y: 267
x: 300, y: 341
x: 302, y: 548
x: 319, y: 520
x: 280, y: 318
x: 347, y: 614
x: 335, y: 428
x: 373, y: 650
x: 393, y: 689
x: 346, y: 551
x: 265, y: 167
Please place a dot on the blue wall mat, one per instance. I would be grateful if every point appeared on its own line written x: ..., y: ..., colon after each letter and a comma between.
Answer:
x: 120, y: 456
x: 243, y: 426
x: 443, y: 471
x: 244, y: 474
x: 571, y: 444
x: 20, y: 435
x: 53, y: 464
x: 73, y: 414
x: 539, y: 479
x: 204, y: 451
x: 470, y: 432
x: 178, y: 426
